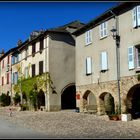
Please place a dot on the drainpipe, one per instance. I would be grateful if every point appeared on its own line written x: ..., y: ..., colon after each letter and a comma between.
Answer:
x: 47, y: 96
x: 117, y: 39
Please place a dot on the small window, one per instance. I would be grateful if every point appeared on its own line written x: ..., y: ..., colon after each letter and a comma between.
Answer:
x: 7, y: 78
x: 103, y: 30
x: 33, y: 48
x: 3, y: 64
x: 88, y: 37
x: 41, y: 44
x: 33, y: 70
x: 26, y: 52
x: 8, y: 59
x: 40, y: 67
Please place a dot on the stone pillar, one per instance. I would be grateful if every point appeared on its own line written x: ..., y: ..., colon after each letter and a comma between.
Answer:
x: 81, y: 105
x: 100, y: 107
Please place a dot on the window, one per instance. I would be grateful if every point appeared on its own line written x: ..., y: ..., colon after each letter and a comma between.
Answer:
x: 2, y: 81
x: 16, y: 58
x: 15, y: 77
x: 7, y: 78
x: 103, y: 30
x: 40, y: 67
x: 130, y: 57
x: 3, y: 64
x: 33, y: 48
x: 104, y: 63
x: 8, y: 59
x: 26, y: 72
x: 41, y: 44
x: 138, y: 57
x: 13, y: 59
x: 136, y: 16
x: 33, y: 70
x: 26, y: 52
x: 88, y: 65
x: 88, y: 37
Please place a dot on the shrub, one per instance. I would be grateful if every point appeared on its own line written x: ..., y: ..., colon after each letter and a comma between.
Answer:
x: 3, y: 99
x: 24, y: 107
x: 16, y: 98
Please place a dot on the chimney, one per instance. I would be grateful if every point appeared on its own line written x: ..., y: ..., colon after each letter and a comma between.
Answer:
x: 19, y: 42
x: 2, y: 53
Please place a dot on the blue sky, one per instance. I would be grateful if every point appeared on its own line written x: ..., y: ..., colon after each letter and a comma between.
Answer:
x: 19, y: 19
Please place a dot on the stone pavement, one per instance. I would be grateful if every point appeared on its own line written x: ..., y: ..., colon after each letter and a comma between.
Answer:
x: 69, y: 124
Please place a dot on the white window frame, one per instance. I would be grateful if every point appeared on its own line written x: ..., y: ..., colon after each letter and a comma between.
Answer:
x: 103, y: 30
x: 88, y: 37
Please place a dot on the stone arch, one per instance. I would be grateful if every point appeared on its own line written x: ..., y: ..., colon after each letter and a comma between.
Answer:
x: 68, y: 97
x: 41, y: 98
x: 106, y: 103
x: 133, y: 101
x: 89, y: 101
x: 8, y: 98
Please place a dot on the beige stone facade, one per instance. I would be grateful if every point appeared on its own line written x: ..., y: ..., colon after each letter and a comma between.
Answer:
x: 99, y: 82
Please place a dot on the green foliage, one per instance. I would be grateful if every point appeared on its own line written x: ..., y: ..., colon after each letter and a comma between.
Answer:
x: 31, y: 86
x: 5, y: 99
x: 33, y: 97
x: 16, y: 98
x: 138, y: 77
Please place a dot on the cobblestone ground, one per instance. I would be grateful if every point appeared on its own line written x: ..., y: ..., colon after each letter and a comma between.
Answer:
x: 69, y: 124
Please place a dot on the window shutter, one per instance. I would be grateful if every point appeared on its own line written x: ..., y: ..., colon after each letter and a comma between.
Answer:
x: 88, y: 65
x: 101, y: 30
x: 131, y: 57
x: 86, y: 37
x: 138, y: 15
x: 12, y: 78
x: 104, y: 65
x: 134, y: 17
x: 105, y: 29
x: 90, y: 35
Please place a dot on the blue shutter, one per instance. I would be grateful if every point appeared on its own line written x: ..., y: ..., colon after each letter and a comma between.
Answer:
x: 88, y: 65
x: 13, y: 59
x: 131, y: 57
x: 104, y: 63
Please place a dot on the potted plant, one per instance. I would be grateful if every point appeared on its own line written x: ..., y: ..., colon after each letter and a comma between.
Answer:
x: 125, y: 116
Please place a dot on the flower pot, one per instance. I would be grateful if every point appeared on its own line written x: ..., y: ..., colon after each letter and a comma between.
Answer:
x: 126, y: 117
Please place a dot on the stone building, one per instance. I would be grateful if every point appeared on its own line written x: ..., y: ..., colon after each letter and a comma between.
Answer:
x: 105, y: 68
x: 5, y: 72
x: 51, y: 51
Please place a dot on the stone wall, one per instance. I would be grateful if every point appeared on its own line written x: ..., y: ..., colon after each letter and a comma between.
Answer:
x: 126, y: 83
